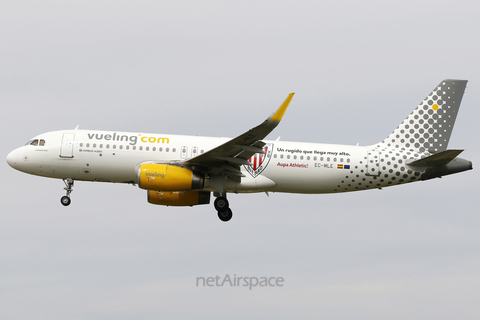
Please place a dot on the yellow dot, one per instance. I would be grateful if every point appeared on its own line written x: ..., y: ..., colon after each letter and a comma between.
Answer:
x: 435, y: 107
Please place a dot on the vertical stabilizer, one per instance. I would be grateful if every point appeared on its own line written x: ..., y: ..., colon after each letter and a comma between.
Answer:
x: 429, y: 126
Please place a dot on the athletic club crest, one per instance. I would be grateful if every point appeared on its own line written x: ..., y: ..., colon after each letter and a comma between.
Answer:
x: 259, y: 161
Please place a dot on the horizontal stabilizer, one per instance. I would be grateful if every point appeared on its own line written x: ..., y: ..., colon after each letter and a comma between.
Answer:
x: 438, y: 159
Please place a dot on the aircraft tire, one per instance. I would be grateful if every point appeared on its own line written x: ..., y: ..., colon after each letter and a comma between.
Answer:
x: 225, y: 215
x: 65, y: 200
x: 221, y: 204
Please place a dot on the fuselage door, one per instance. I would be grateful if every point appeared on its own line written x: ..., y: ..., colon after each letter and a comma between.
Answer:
x: 66, y: 149
x: 373, y: 163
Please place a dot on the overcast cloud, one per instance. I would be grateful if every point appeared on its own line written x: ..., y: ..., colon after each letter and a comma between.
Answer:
x: 217, y: 68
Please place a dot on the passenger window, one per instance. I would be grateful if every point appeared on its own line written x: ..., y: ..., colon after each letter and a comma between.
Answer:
x: 154, y: 148
x: 147, y: 148
x: 120, y: 147
x: 140, y: 148
x: 127, y: 147
x: 173, y: 150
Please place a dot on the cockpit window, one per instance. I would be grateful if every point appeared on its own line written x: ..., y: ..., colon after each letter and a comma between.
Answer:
x: 36, y: 142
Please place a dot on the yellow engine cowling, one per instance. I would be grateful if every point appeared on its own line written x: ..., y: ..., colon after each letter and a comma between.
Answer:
x: 161, y: 177
x: 178, y: 198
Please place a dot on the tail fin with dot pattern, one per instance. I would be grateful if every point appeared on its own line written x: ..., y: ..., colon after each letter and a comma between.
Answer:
x: 429, y: 126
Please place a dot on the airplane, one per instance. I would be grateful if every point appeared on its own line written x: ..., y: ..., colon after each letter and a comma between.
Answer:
x: 181, y: 170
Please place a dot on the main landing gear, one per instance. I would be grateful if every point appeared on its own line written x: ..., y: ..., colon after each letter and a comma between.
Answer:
x: 221, y: 205
x: 65, y: 200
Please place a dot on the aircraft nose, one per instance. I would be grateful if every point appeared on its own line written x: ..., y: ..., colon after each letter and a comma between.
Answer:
x: 12, y: 159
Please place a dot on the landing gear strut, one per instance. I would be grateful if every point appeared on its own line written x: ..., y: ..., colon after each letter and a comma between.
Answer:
x: 65, y: 200
x: 222, y: 206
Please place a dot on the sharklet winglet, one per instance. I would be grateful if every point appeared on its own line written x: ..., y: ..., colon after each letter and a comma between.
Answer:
x: 278, y: 114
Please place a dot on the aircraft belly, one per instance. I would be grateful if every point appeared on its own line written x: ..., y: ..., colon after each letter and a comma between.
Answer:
x: 117, y: 170
x: 306, y: 181
x: 249, y: 184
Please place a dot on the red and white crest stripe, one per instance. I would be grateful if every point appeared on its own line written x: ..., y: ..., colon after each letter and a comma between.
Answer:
x: 257, y: 159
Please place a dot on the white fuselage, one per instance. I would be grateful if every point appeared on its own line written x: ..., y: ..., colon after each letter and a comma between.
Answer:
x: 295, y: 167
x: 185, y: 170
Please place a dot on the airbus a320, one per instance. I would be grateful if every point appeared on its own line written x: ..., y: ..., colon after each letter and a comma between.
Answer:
x: 178, y: 170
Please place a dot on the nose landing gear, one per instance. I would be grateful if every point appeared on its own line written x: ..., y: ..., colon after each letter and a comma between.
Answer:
x: 65, y: 200
x: 222, y: 206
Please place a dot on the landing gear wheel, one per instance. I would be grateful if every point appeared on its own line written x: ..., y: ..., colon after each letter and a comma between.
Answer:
x: 65, y: 200
x: 221, y: 204
x: 225, y: 215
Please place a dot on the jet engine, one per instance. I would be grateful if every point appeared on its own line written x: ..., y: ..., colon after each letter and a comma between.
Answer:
x: 161, y: 177
x: 178, y: 198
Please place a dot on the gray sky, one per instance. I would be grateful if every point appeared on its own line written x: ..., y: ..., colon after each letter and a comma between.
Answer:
x: 218, y: 68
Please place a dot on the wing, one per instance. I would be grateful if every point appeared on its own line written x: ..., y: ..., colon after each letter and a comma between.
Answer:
x: 231, y: 155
